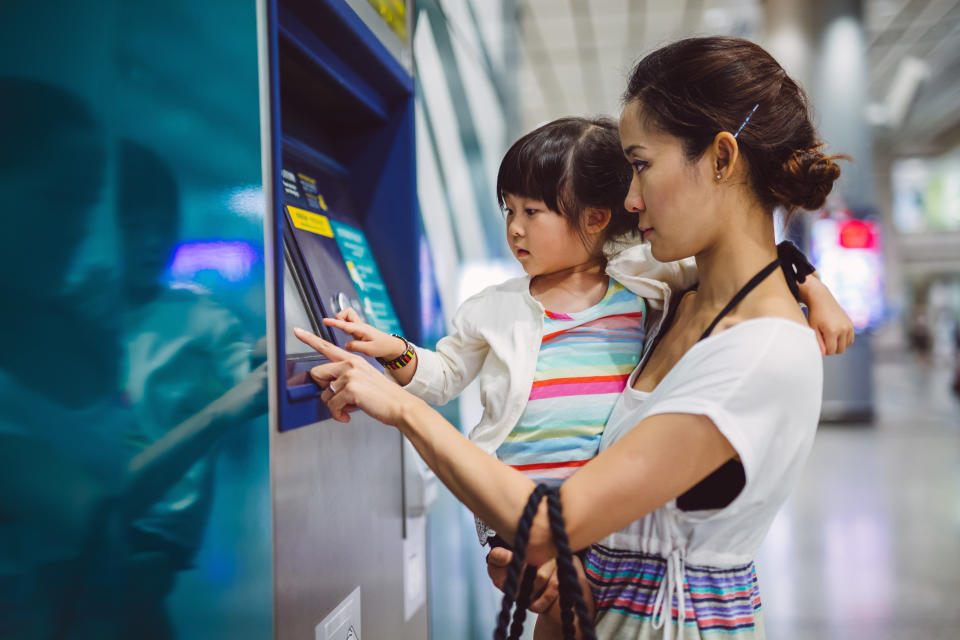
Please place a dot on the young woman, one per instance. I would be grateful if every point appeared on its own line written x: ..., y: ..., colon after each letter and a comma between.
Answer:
x: 712, y: 432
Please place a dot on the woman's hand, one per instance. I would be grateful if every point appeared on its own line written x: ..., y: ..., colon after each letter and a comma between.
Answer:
x: 546, y: 591
x: 350, y: 382
x: 826, y: 317
x: 546, y: 586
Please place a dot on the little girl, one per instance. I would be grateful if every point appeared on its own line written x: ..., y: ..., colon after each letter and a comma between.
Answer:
x: 553, y: 350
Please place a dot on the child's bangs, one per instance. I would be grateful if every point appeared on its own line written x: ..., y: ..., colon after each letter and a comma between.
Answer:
x: 535, y: 167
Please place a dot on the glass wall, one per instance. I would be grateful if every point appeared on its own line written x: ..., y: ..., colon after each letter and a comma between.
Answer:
x: 134, y: 480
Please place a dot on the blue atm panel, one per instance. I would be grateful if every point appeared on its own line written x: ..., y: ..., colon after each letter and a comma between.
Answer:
x: 329, y: 260
x: 342, y: 228
x: 343, y: 186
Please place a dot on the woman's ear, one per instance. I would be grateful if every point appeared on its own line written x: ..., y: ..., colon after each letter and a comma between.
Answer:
x: 597, y: 219
x: 724, y: 154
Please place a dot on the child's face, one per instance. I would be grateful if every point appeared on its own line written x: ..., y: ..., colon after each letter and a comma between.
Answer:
x: 540, y: 239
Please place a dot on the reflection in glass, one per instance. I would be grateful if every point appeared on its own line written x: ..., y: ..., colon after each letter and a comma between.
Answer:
x: 133, y: 453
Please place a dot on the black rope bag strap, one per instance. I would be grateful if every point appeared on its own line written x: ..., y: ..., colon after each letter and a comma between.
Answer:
x: 571, y: 598
x: 513, y: 570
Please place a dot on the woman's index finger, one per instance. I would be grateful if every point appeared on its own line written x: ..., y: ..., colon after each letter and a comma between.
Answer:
x: 324, y: 348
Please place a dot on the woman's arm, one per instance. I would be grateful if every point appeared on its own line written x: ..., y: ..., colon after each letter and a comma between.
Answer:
x: 664, y: 455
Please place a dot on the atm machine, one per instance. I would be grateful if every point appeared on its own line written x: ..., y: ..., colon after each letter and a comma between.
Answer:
x: 341, y: 230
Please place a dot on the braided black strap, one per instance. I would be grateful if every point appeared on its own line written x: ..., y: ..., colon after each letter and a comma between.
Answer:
x: 523, y: 601
x: 571, y: 598
x: 516, y: 564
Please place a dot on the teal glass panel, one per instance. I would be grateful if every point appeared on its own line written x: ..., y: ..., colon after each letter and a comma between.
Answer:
x: 134, y: 472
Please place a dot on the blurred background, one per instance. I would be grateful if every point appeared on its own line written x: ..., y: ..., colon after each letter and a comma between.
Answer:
x: 133, y: 277
x: 869, y: 545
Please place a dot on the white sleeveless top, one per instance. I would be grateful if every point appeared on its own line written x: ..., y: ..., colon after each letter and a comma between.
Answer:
x: 760, y: 382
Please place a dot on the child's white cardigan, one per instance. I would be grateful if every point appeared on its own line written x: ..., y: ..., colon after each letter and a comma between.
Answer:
x: 497, y: 332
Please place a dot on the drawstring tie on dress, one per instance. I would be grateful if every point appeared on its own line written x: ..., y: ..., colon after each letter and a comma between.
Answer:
x: 671, y: 585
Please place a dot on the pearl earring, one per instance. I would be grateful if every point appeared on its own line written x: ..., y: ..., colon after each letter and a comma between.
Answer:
x: 719, y: 176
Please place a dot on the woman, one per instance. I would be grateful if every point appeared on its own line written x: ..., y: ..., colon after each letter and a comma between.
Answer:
x: 713, y: 430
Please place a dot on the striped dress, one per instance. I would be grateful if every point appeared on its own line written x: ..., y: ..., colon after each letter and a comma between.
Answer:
x: 584, y: 361
x: 629, y: 586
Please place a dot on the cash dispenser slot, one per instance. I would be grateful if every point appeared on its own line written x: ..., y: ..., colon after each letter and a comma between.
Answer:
x: 344, y: 188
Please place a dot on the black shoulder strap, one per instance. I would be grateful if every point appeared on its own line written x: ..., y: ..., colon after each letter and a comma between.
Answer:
x: 795, y: 268
x: 740, y: 295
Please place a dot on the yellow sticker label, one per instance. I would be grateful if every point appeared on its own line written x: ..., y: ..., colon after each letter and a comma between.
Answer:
x: 323, y: 203
x: 312, y: 222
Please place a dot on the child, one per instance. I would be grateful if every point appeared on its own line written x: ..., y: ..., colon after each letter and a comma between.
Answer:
x: 553, y: 350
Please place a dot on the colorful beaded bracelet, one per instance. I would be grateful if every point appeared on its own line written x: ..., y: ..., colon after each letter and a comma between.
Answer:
x: 403, y: 359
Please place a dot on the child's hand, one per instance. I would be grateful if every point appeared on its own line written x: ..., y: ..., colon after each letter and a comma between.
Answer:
x: 826, y: 317
x: 367, y: 340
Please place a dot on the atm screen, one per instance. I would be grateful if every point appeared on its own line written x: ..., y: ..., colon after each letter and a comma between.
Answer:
x: 295, y: 313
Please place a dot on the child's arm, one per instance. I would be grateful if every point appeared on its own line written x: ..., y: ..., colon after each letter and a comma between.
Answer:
x: 435, y: 376
x: 826, y: 317
x: 372, y: 342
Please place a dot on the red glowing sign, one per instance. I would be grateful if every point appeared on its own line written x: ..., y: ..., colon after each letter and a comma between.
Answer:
x: 857, y: 234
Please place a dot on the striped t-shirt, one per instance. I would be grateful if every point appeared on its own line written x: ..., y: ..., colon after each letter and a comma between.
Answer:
x: 584, y: 361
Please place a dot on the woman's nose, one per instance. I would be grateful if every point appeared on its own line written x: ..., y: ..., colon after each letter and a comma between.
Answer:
x: 634, y: 200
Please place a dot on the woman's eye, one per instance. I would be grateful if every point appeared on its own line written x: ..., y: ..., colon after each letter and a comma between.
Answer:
x: 529, y: 212
x: 639, y: 166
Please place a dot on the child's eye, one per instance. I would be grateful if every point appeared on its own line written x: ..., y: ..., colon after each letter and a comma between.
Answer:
x: 639, y: 166
x: 530, y: 212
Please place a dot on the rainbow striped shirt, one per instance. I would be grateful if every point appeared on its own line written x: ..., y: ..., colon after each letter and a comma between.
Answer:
x: 584, y: 362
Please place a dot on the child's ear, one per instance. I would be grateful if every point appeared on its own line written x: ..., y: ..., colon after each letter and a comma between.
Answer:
x: 597, y: 220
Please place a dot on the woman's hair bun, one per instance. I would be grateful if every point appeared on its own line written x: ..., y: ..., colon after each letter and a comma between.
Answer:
x: 805, y: 179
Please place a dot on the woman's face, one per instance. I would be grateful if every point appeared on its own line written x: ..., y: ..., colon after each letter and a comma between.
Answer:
x: 674, y: 198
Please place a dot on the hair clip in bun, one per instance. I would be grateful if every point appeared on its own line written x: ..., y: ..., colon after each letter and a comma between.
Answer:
x: 749, y: 115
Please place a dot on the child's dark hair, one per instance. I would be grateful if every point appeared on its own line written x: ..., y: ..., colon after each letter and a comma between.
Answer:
x: 572, y: 165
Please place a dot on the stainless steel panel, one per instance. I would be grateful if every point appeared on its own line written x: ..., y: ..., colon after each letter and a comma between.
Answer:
x: 337, y: 506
